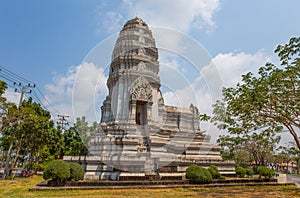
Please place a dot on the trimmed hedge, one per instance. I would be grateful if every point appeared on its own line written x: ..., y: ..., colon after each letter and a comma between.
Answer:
x: 76, y: 171
x: 57, y: 170
x: 249, y: 172
x: 265, y: 172
x: 197, y: 174
x: 213, y: 170
x: 240, y: 171
x: 60, y: 171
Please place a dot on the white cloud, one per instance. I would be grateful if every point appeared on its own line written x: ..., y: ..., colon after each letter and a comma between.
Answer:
x: 89, y: 91
x: 63, y: 84
x: 112, y: 21
x: 206, y: 88
x: 80, y: 85
x: 12, y: 96
x: 180, y: 15
x: 232, y: 65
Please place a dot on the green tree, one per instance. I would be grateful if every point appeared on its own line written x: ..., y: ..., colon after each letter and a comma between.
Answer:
x: 268, y: 102
x: 30, y: 131
x: 289, y: 154
x: 10, y: 126
x: 3, y: 87
x: 249, y: 147
x: 74, y: 145
x: 295, y: 153
x: 57, y: 170
x: 44, y: 140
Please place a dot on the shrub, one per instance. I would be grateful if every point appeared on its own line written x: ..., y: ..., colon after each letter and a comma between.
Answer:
x: 57, y: 170
x: 76, y: 171
x: 249, y: 172
x: 240, y: 171
x: 265, y: 172
x: 213, y: 170
x: 191, y: 172
x: 198, y: 174
x: 254, y: 168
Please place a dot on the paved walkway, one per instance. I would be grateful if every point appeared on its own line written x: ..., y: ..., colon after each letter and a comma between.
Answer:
x: 281, y: 178
x: 293, y: 179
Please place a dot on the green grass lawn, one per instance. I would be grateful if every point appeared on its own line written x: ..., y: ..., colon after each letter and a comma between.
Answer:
x: 19, y: 188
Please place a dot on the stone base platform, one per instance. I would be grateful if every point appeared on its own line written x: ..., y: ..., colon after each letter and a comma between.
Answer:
x: 101, y: 184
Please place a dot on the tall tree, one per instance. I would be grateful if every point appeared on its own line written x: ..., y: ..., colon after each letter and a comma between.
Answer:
x: 77, y: 136
x: 30, y: 131
x: 44, y: 141
x: 3, y: 87
x: 3, y: 108
x: 268, y: 101
x: 250, y: 147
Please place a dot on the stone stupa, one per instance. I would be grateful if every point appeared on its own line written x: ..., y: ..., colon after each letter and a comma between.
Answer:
x: 139, y: 136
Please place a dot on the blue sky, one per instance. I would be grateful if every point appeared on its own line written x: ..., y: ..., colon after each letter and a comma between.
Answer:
x: 38, y: 38
x: 47, y: 41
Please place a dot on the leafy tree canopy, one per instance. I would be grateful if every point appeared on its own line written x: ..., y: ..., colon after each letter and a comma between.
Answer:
x: 266, y: 102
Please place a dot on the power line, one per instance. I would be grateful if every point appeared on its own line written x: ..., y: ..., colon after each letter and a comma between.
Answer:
x: 62, y: 121
x: 11, y: 86
x: 44, y: 97
x: 23, y: 90
x: 16, y: 79
x: 38, y: 100
x: 16, y: 76
x: 7, y: 77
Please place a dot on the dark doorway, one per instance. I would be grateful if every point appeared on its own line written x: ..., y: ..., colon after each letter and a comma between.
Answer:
x: 141, y: 113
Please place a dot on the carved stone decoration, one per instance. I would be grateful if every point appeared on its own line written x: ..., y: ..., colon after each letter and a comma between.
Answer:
x: 141, y: 66
x: 142, y: 51
x: 141, y: 90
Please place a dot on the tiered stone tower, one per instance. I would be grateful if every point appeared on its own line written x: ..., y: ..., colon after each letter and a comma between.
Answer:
x: 139, y: 135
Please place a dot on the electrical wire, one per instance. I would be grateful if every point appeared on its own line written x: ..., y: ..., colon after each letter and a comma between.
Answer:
x: 39, y: 101
x: 45, y: 99
x: 7, y: 78
x: 18, y: 80
x: 16, y: 76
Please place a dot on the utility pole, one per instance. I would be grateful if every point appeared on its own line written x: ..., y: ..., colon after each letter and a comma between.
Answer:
x: 62, y: 121
x: 22, y: 91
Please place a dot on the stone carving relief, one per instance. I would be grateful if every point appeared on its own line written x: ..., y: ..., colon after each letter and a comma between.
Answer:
x: 140, y: 67
x: 141, y: 90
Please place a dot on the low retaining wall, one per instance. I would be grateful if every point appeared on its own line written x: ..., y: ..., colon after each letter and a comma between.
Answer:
x: 100, y: 184
x: 42, y: 188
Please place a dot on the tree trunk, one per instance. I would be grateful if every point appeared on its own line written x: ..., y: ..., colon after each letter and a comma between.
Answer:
x: 294, y: 134
x: 6, y: 169
x: 297, y: 166
x: 16, y: 157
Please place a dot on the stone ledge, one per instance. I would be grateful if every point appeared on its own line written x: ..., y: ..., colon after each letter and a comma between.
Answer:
x: 42, y: 188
